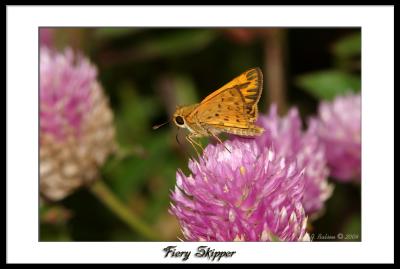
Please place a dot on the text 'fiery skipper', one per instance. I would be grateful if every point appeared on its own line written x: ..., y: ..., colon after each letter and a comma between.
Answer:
x: 230, y: 109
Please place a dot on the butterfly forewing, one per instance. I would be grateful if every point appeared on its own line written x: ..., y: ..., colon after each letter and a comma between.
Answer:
x: 233, y: 105
x: 249, y: 85
x: 225, y: 109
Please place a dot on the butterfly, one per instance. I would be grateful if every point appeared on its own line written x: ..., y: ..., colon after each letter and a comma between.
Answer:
x: 230, y: 109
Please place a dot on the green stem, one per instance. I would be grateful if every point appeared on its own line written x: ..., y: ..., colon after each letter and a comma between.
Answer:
x: 118, y: 208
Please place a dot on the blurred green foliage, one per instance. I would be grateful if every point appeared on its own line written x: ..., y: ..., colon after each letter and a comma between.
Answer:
x: 326, y: 84
x: 177, y: 44
x: 349, y: 46
x: 329, y: 83
x: 146, y: 73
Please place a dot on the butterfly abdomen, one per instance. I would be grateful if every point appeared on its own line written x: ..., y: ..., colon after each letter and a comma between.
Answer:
x: 252, y: 131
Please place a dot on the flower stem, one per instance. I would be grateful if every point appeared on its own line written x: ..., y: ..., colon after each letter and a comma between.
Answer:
x: 275, y: 43
x: 103, y: 193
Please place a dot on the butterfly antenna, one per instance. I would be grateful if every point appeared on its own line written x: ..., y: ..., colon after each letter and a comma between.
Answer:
x: 155, y: 127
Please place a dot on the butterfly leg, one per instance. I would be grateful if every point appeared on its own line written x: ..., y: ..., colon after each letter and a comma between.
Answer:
x: 218, y: 139
x: 193, y: 142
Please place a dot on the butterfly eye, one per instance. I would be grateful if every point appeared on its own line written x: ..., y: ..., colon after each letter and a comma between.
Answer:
x: 179, y: 120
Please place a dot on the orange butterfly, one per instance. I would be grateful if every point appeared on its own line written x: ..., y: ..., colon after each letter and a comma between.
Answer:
x: 230, y: 109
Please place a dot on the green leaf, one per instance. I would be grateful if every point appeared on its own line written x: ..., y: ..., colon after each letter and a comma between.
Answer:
x: 328, y: 84
x: 176, y: 44
x: 132, y: 116
x: 348, y: 46
x: 130, y: 174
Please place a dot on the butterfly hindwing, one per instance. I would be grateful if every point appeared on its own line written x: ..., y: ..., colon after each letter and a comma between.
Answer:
x: 252, y: 91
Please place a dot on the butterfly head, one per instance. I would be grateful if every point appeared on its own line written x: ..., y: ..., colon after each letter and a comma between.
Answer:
x: 180, y: 115
x: 179, y: 118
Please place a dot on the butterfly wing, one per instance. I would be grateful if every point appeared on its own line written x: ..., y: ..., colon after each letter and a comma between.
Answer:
x: 234, y: 104
x: 225, y: 109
